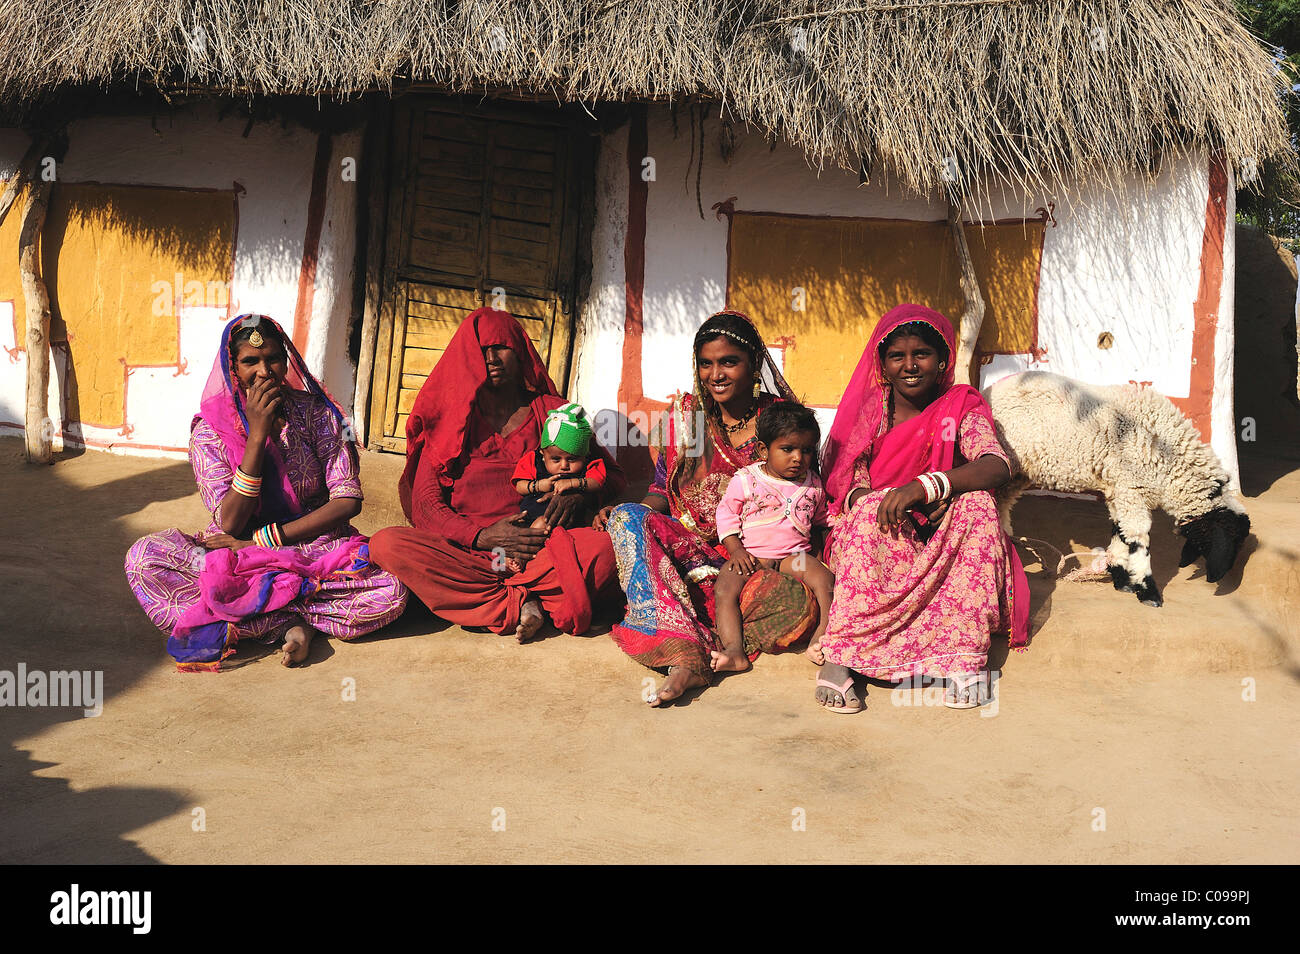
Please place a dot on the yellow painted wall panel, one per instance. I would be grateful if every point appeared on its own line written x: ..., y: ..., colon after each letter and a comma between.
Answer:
x: 846, y: 273
x: 116, y: 260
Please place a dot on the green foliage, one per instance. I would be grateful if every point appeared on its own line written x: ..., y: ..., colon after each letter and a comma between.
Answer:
x: 1273, y: 203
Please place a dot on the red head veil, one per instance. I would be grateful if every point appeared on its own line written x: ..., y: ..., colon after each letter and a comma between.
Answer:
x: 435, y: 431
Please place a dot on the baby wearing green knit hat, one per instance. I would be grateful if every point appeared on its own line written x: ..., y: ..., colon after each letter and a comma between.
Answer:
x: 561, y: 464
x: 567, y: 428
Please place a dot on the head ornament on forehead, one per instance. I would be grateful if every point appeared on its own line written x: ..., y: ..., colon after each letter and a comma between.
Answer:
x: 732, y: 335
x: 252, y: 321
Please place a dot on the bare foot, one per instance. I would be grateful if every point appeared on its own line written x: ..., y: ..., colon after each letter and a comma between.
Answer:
x: 814, y: 650
x: 679, y: 680
x: 530, y: 621
x: 297, y: 644
x: 729, y: 660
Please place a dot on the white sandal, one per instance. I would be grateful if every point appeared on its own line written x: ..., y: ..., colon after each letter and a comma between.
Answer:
x: 965, y: 691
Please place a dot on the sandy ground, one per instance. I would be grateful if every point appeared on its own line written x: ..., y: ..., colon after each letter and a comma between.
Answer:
x: 1120, y: 709
x: 1125, y: 734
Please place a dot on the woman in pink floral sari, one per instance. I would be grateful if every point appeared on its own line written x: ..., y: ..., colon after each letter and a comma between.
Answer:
x: 924, y: 574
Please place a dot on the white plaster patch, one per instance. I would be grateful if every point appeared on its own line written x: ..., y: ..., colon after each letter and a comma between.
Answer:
x: 332, y: 304
x: 1223, y: 417
x: 271, y: 171
x: 598, y: 359
x: 180, y: 388
x: 13, y: 371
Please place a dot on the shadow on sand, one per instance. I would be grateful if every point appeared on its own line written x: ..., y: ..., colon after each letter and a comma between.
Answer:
x: 67, y: 607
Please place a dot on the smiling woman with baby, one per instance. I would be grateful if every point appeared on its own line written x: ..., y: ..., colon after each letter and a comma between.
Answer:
x: 667, y: 546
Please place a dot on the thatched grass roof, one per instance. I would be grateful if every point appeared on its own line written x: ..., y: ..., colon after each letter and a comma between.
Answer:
x: 1029, y: 90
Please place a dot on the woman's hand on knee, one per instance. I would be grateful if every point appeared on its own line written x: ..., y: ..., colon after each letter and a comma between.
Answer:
x: 562, y: 510
x: 222, y: 541
x: 895, y: 504
x: 935, y: 512
x: 510, y: 535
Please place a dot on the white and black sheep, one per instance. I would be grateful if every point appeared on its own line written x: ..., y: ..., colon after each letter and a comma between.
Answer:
x: 1136, y: 449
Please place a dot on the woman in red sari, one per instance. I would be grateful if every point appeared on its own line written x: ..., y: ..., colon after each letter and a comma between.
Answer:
x: 923, y: 573
x: 667, y: 546
x: 480, y: 410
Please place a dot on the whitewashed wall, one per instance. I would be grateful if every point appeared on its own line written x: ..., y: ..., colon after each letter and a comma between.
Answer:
x: 1128, y: 264
x: 597, y: 362
x: 192, y: 148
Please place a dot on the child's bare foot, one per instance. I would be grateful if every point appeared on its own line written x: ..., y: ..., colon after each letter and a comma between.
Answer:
x: 512, y: 566
x: 530, y: 621
x: 679, y: 680
x: 729, y: 660
x: 814, y: 651
x: 297, y: 644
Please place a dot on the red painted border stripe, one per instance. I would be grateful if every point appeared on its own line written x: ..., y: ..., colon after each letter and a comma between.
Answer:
x: 631, y: 387
x: 311, y: 243
x: 97, y: 442
x: 1199, y: 403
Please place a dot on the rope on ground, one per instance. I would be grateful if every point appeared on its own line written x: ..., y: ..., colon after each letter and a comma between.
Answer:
x: 1097, y: 572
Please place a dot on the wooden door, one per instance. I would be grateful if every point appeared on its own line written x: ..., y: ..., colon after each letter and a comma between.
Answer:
x: 482, y: 210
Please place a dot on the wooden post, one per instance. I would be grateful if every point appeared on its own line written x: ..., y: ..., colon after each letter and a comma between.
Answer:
x: 26, y: 171
x: 972, y: 318
x: 39, y: 427
x: 375, y: 157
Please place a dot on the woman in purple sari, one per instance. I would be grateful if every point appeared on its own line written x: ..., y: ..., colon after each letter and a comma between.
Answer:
x: 279, y: 473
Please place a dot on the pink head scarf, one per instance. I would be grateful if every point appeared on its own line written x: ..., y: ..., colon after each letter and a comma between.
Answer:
x: 236, y: 585
x: 222, y: 406
x: 924, y: 443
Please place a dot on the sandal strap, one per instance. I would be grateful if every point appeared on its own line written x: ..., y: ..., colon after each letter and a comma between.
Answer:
x: 848, y: 684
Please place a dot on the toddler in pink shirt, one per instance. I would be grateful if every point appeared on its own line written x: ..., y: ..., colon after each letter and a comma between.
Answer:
x: 767, y: 518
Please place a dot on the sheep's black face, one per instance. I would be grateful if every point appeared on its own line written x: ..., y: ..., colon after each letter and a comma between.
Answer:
x: 1217, y: 536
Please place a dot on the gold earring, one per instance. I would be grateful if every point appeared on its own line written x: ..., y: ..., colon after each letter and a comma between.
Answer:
x: 757, y: 385
x: 943, y: 365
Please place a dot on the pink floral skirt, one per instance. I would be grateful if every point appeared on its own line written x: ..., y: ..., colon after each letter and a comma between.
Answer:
x: 906, y: 608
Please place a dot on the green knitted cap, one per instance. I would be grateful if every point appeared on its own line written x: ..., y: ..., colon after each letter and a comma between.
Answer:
x: 567, y: 428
